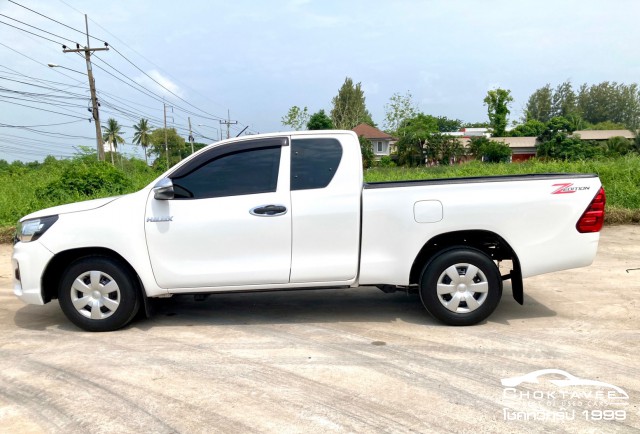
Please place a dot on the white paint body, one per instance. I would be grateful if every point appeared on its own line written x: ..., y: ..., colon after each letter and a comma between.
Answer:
x: 340, y: 235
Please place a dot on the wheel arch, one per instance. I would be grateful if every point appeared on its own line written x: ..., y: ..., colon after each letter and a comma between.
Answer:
x: 59, y: 263
x: 490, y: 243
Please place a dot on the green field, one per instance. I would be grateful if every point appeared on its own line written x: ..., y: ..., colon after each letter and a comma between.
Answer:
x: 27, y: 188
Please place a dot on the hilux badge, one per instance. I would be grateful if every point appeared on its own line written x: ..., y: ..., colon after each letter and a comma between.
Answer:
x: 160, y: 219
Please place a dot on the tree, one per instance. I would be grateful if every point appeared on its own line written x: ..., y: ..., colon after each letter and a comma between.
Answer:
x: 539, y: 105
x: 531, y: 128
x: 397, y: 110
x: 564, y: 101
x: 142, y: 136
x: 557, y: 125
x: 476, y: 146
x: 443, y: 149
x: 296, y: 118
x: 320, y: 121
x: 446, y: 125
x: 111, y: 134
x: 610, y: 101
x: 591, y: 104
x: 616, y: 146
x: 366, y: 148
x: 475, y: 125
x: 576, y: 122
x: 606, y: 125
x: 497, y: 102
x: 175, y: 144
x: 410, y: 151
x: 421, y: 141
x: 349, y: 107
x: 564, y: 147
x: 419, y: 125
x: 489, y: 151
x: 496, y: 152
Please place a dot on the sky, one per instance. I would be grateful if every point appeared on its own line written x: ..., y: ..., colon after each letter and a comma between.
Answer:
x: 253, y: 60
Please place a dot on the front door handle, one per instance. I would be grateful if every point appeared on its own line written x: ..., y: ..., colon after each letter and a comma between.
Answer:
x: 268, y: 210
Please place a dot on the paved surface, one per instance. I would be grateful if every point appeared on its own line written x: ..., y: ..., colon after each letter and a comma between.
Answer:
x: 334, y: 361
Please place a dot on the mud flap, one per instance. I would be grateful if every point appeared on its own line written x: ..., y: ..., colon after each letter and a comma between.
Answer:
x: 517, y: 288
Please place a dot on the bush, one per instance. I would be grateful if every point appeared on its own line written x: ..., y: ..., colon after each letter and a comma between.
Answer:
x: 367, y: 152
x: 86, y: 180
x: 489, y: 151
x: 386, y: 161
x: 564, y: 147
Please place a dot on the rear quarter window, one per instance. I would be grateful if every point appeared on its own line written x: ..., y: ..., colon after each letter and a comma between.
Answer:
x: 314, y: 162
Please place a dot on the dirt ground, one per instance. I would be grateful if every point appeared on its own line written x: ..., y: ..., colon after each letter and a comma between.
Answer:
x: 353, y: 360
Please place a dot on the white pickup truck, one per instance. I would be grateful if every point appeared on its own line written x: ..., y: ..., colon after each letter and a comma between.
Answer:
x: 290, y: 211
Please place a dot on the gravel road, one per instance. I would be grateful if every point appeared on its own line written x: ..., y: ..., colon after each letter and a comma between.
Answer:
x: 354, y: 360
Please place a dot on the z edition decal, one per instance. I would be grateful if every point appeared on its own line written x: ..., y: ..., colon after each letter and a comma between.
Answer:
x: 567, y: 188
x: 556, y: 395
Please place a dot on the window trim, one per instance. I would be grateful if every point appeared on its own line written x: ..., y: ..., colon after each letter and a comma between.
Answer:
x: 219, y: 151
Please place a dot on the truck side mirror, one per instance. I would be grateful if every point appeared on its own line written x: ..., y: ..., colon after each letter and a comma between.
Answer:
x: 163, y: 190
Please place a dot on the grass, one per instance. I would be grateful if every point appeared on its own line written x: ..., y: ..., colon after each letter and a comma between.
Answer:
x: 620, y: 176
x: 20, y: 184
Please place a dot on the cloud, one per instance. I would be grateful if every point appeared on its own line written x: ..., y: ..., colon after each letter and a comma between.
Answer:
x: 298, y: 3
x: 165, y: 86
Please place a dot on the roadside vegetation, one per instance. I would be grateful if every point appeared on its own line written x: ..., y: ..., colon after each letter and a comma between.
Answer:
x: 33, y: 186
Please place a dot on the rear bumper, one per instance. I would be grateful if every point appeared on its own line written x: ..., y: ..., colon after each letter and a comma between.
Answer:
x: 29, y: 261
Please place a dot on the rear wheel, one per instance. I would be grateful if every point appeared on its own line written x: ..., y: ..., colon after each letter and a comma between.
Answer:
x: 461, y: 286
x: 98, y: 293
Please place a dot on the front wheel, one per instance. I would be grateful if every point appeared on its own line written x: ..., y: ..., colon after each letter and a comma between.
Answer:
x: 461, y: 286
x: 98, y: 294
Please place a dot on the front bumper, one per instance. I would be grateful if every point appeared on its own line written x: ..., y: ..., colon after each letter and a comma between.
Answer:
x: 29, y: 261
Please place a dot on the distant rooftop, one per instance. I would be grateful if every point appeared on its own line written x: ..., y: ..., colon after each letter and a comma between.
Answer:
x: 603, y: 134
x: 517, y: 142
x: 370, y: 132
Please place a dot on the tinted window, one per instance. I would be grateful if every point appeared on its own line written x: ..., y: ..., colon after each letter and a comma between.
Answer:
x: 314, y: 162
x: 244, y: 172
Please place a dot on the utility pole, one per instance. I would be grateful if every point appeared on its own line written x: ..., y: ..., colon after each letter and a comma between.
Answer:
x: 92, y: 85
x: 166, y: 143
x: 166, y: 146
x: 191, y: 139
x: 228, y: 122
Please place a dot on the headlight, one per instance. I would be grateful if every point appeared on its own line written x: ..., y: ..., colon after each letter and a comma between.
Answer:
x: 32, y: 229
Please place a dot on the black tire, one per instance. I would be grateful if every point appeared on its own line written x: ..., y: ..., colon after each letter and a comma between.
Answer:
x: 472, y: 298
x: 108, y: 288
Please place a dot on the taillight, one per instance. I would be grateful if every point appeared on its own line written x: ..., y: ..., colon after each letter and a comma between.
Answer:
x: 593, y: 217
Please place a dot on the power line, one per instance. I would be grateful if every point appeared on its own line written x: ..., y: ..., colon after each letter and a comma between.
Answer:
x: 34, y: 34
x: 44, y: 96
x: 55, y: 21
x: 41, y: 87
x: 14, y: 72
x: 45, y: 110
x: 57, y: 104
x: 38, y: 28
x: 162, y: 86
x: 41, y: 125
x: 40, y: 63
x: 121, y: 110
x: 51, y: 133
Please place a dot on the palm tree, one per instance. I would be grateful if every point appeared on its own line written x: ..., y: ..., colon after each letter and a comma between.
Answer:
x: 111, y: 134
x: 142, y: 136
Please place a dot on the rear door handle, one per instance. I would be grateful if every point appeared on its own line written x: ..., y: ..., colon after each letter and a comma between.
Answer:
x: 268, y: 210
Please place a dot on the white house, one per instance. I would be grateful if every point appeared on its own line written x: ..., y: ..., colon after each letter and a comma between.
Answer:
x: 380, y: 140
